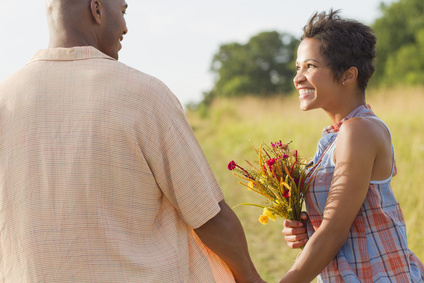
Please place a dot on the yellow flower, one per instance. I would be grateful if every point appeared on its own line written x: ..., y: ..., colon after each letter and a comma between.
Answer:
x: 250, y: 185
x: 263, y: 219
x: 269, y: 214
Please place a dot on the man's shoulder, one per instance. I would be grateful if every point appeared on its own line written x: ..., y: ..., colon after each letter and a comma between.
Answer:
x: 143, y: 84
x: 136, y: 78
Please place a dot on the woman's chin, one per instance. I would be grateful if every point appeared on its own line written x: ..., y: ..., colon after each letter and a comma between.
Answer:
x: 304, y: 107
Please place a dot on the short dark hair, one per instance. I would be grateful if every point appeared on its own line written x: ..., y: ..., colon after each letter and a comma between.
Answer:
x: 344, y: 43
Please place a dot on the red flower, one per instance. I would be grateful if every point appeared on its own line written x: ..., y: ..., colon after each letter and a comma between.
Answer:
x: 279, y: 144
x: 270, y: 162
x: 291, y: 170
x: 286, y: 194
x: 231, y: 165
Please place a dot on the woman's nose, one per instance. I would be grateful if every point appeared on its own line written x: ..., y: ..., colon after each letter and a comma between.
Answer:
x: 298, y: 78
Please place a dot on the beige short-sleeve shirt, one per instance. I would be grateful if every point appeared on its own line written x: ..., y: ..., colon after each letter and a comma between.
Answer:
x: 101, y: 177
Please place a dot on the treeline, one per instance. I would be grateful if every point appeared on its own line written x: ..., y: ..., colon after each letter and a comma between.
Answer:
x: 400, y: 44
x: 265, y: 65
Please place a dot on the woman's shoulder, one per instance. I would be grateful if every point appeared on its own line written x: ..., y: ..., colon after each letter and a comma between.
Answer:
x: 368, y: 127
x: 369, y: 139
x: 363, y: 133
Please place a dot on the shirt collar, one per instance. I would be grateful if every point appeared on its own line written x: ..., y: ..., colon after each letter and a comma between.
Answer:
x: 336, y: 127
x: 69, y: 54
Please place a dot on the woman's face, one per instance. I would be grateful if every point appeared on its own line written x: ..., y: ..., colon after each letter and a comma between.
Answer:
x: 314, y: 79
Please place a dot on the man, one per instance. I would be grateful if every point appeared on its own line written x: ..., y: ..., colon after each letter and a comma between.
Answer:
x: 101, y: 177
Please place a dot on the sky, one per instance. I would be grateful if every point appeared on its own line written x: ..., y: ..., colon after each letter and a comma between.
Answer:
x: 175, y: 40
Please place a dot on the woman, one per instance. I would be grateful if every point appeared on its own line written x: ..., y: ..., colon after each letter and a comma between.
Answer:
x: 356, y: 229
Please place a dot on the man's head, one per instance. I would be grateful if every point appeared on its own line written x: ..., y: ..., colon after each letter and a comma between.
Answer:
x: 97, y: 23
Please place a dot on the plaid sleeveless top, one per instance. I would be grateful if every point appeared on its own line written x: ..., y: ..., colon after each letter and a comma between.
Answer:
x: 376, y: 249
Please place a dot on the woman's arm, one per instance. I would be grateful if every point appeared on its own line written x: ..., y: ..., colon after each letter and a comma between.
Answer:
x: 358, y: 145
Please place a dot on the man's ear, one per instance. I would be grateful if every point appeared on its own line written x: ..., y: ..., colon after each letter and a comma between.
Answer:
x: 96, y: 10
x: 350, y: 76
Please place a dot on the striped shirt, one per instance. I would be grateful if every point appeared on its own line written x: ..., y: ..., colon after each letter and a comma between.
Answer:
x: 101, y: 176
x: 376, y: 249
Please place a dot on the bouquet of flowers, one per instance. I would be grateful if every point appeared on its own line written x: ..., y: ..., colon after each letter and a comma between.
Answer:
x: 280, y: 176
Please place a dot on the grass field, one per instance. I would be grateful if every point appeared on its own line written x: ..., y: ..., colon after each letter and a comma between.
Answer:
x: 232, y: 126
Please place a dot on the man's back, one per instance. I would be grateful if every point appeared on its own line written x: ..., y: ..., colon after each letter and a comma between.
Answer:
x: 99, y: 174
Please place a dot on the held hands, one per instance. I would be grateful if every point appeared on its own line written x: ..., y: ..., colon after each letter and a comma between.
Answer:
x: 259, y: 280
x: 295, y: 232
x: 255, y: 279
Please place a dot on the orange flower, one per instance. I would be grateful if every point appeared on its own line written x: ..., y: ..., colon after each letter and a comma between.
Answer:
x: 263, y: 219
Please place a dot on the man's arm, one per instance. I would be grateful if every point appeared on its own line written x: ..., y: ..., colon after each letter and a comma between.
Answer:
x: 224, y: 235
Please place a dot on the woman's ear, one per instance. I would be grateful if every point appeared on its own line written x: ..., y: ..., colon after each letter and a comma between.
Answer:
x: 349, y: 77
x: 96, y: 10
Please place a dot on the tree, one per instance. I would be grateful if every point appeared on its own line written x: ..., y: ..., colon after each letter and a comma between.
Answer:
x: 399, y: 43
x: 263, y: 66
x: 407, y: 65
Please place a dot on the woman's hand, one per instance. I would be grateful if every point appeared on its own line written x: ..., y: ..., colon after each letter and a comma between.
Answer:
x: 295, y: 232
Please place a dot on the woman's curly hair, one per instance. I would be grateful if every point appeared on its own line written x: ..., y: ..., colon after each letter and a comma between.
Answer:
x: 344, y: 44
